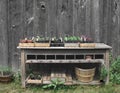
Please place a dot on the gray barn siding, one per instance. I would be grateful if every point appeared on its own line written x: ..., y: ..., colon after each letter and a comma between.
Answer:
x: 99, y: 19
x: 14, y: 31
x: 3, y: 33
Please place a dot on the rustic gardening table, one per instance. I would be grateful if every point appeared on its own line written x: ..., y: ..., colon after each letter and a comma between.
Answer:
x: 63, y: 57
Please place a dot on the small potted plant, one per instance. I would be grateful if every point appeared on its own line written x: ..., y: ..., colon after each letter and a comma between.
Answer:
x: 42, y: 41
x: 72, y: 41
x: 6, y: 74
x: 56, y: 42
x: 34, y: 78
x: 86, y: 41
x: 23, y: 40
x: 26, y: 42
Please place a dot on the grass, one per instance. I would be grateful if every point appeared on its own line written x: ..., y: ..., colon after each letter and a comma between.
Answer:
x: 16, y: 88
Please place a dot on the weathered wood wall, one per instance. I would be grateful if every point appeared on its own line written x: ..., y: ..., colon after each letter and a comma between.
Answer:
x: 99, y: 19
x: 3, y: 33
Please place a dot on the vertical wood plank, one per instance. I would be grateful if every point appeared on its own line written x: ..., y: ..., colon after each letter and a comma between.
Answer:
x: 75, y: 16
x: 107, y: 65
x: 105, y: 20
x: 28, y: 17
x: 3, y: 33
x: 101, y: 20
x: 79, y: 17
x: 64, y: 17
x: 52, y: 18
x: 15, y: 31
x: 96, y: 24
x: 23, y: 73
x: 115, y: 28
x: 40, y: 17
x: 88, y: 17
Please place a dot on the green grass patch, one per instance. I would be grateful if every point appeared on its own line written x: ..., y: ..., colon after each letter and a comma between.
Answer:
x: 16, y: 88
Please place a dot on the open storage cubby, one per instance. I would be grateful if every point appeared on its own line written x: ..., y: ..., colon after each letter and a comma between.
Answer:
x: 65, y: 72
x: 60, y: 62
x: 64, y: 56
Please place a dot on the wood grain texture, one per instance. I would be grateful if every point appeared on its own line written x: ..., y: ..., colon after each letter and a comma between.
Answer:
x: 52, y: 18
x: 64, y: 17
x: 99, y: 19
x: 3, y: 33
x: 96, y: 20
x: 15, y: 25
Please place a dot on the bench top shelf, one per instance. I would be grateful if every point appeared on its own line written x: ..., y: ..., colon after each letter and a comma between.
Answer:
x: 97, y: 46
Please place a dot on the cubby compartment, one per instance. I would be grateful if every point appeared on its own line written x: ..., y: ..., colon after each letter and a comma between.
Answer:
x: 50, y: 56
x: 99, y: 56
x: 58, y: 57
x: 70, y: 57
x: 79, y: 57
x: 40, y: 57
x: 31, y: 57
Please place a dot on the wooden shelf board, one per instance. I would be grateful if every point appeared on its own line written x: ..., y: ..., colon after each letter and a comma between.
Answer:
x: 66, y: 61
x: 31, y: 81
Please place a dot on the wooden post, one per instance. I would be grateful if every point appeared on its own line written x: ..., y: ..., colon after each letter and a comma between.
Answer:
x: 107, y: 65
x: 23, y: 73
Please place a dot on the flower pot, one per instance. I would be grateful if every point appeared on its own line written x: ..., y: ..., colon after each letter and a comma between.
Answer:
x: 85, y: 75
x: 6, y: 77
x: 23, y: 41
x: 29, y: 41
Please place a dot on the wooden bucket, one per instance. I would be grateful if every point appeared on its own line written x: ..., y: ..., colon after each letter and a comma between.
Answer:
x: 84, y: 75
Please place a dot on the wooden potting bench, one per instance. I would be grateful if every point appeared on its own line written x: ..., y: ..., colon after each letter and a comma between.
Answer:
x: 55, y: 62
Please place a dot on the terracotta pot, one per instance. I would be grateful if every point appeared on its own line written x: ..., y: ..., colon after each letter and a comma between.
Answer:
x: 29, y: 41
x: 23, y: 41
x: 6, y: 78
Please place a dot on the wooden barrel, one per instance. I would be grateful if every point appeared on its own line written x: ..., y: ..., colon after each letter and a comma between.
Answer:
x: 85, y: 75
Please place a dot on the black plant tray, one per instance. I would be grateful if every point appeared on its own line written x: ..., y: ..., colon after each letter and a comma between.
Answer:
x: 56, y: 44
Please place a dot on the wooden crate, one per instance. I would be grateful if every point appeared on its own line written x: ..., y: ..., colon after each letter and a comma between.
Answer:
x: 33, y: 81
x: 46, y: 79
x: 69, y: 80
x: 26, y: 44
x: 42, y: 44
x: 71, y: 44
x: 58, y: 75
x: 87, y: 45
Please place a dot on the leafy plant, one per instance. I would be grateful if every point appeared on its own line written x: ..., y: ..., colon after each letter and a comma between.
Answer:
x: 41, y: 39
x: 103, y: 73
x: 72, y: 39
x: 35, y: 76
x: 86, y: 39
x: 115, y: 71
x: 17, y: 77
x: 4, y: 70
x: 54, y: 84
x: 32, y: 76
